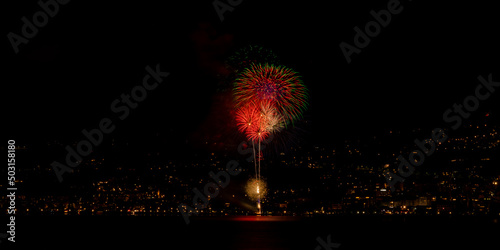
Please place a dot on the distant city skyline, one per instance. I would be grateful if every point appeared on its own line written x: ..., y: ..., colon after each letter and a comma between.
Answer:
x: 461, y: 178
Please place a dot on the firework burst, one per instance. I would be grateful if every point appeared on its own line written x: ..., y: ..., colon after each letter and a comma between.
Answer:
x: 258, y: 121
x: 250, y: 122
x: 278, y: 85
x: 271, y: 120
x: 249, y: 54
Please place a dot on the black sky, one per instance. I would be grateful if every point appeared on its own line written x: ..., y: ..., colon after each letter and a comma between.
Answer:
x: 65, y: 78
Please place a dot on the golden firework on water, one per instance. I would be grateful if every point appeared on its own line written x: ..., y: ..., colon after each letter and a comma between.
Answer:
x: 254, y: 188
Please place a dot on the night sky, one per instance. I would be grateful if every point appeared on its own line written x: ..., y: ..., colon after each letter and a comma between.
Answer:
x: 427, y: 58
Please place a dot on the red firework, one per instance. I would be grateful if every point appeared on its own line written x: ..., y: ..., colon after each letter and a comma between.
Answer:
x: 252, y: 122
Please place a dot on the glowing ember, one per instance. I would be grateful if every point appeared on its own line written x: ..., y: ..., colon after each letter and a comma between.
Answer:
x: 254, y: 189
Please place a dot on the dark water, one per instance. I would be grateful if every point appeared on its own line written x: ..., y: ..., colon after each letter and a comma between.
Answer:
x: 256, y: 232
